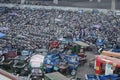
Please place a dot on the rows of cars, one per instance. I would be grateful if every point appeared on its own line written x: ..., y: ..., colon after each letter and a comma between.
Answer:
x: 35, y: 64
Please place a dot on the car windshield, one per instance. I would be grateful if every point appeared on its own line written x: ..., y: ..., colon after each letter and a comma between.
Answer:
x: 25, y: 53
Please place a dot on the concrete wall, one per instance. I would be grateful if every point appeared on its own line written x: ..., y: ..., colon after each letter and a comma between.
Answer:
x: 49, y: 7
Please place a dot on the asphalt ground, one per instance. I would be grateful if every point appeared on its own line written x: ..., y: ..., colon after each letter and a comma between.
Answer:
x: 104, y: 4
x: 86, y: 69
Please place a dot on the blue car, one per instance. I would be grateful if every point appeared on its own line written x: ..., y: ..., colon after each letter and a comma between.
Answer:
x: 91, y: 77
x: 110, y: 77
x: 116, y: 49
x: 100, y: 42
x: 50, y: 62
x: 73, y: 62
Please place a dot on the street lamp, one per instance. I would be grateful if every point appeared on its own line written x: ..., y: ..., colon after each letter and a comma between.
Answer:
x: 55, y: 1
x: 97, y: 0
x: 113, y: 5
x: 22, y: 1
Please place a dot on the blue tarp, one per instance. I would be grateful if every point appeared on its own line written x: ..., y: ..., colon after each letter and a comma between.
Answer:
x: 2, y: 35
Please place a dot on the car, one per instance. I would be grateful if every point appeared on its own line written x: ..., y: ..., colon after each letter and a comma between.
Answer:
x: 116, y: 48
x: 21, y: 61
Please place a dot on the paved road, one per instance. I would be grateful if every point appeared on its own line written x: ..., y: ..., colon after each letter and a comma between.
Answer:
x: 104, y: 4
x: 85, y: 69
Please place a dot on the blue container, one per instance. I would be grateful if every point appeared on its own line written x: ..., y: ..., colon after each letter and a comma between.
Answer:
x: 50, y: 62
x: 91, y: 77
x: 110, y: 77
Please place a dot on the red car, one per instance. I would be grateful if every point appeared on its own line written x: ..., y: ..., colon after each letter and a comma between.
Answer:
x: 54, y: 44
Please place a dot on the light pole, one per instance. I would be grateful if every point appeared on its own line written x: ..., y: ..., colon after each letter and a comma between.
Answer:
x: 22, y: 1
x: 97, y: 0
x: 113, y: 5
x: 90, y: 0
x: 55, y: 1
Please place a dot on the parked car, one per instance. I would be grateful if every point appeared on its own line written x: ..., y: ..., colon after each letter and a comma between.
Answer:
x: 21, y: 62
x: 36, y: 67
x: 50, y: 61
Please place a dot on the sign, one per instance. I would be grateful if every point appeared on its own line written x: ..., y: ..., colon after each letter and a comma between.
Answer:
x: 108, y: 69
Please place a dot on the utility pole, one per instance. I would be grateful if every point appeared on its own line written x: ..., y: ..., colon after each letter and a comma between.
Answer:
x: 90, y: 0
x: 55, y: 1
x: 97, y: 0
x: 113, y: 5
x: 22, y: 1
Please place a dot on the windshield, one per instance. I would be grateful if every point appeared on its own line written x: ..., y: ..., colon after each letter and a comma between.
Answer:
x: 25, y: 53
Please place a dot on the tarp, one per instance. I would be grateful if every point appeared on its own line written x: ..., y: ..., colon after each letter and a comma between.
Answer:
x: 2, y: 35
x: 81, y: 43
